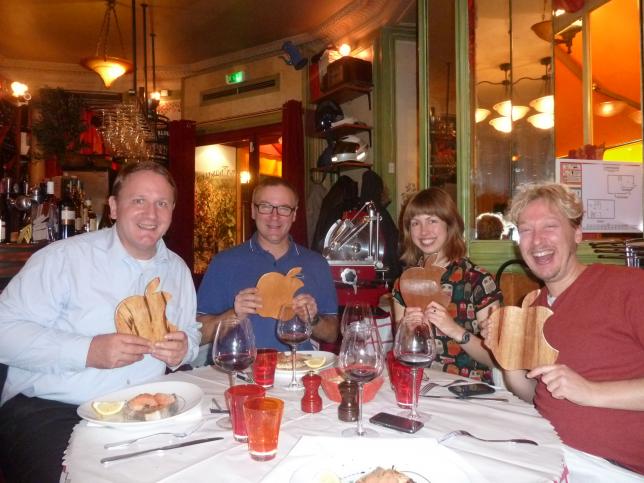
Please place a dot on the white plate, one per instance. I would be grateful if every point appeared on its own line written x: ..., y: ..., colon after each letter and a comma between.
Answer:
x: 189, y: 396
x: 330, y: 362
x: 345, y: 473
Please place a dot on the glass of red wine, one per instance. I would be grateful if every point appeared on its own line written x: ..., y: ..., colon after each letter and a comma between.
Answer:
x: 233, y: 350
x: 293, y: 328
x: 361, y: 360
x: 414, y: 347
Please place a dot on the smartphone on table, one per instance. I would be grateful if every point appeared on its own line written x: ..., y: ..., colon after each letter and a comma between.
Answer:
x: 396, y: 422
x: 469, y: 390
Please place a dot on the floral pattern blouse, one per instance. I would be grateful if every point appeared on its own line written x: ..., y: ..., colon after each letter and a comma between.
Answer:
x: 472, y: 288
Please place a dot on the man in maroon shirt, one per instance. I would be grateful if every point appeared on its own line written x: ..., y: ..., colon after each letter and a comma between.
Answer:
x: 594, y: 394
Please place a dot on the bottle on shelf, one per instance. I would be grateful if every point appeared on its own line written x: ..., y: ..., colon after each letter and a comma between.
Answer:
x: 91, y: 223
x: 77, y: 198
x: 4, y: 213
x: 51, y: 209
x: 67, y: 214
x: 106, y: 219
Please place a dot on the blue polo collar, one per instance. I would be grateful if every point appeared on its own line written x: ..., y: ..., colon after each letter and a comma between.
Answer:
x: 254, y: 246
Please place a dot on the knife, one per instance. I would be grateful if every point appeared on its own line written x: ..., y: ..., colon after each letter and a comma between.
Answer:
x: 466, y: 397
x: 162, y: 448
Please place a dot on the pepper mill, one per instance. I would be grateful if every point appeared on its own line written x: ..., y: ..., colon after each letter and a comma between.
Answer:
x: 311, y: 401
x: 348, y: 408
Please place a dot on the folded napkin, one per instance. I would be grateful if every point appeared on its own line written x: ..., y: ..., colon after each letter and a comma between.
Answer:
x: 348, y: 458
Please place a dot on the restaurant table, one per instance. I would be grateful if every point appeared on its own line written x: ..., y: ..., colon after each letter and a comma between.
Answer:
x: 228, y: 460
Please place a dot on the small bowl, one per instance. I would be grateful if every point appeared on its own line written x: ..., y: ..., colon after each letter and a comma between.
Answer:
x: 332, y: 377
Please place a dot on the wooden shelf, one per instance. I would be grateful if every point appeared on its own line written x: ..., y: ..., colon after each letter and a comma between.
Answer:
x: 345, y: 92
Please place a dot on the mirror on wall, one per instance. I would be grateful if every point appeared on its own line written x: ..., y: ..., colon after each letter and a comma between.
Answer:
x: 540, y: 91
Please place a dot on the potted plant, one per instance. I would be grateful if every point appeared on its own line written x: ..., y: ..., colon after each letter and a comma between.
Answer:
x: 58, y: 125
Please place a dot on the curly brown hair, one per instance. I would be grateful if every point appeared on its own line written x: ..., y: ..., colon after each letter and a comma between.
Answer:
x: 554, y: 194
x: 437, y: 202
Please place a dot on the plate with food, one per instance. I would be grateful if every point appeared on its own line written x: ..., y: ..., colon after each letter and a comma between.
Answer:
x: 305, y: 361
x: 143, y: 405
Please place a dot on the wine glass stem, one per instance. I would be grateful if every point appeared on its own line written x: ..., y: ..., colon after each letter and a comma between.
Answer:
x: 293, y: 379
x: 360, y: 429
x: 414, y: 397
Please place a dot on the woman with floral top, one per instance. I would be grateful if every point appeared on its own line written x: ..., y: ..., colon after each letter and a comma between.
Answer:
x: 431, y: 225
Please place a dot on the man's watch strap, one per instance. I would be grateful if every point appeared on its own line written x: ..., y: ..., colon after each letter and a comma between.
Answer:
x: 465, y: 339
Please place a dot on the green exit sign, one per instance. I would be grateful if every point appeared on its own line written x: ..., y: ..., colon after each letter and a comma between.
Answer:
x: 235, y: 77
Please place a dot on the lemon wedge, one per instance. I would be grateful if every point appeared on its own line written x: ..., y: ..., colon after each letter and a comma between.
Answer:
x: 315, y: 362
x: 107, y: 408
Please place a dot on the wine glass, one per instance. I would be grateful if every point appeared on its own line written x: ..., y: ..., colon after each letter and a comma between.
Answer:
x: 233, y: 350
x: 356, y: 312
x: 361, y: 360
x: 414, y: 346
x: 293, y: 328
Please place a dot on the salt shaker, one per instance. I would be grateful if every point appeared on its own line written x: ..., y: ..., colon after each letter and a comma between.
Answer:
x: 348, y: 408
x: 311, y: 401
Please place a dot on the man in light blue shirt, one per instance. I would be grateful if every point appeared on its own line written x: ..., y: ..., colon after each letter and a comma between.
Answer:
x: 57, y: 323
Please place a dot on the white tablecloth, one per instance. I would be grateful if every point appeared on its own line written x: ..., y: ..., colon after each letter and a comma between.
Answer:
x: 228, y: 460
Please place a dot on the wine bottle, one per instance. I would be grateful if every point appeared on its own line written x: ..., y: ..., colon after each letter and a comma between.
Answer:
x: 4, y: 214
x: 52, y: 208
x: 77, y: 199
x: 90, y: 222
x: 67, y: 215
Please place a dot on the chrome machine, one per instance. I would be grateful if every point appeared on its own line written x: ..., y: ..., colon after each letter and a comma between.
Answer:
x: 354, y: 248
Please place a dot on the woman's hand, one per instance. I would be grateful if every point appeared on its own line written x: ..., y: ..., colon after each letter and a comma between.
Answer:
x: 440, y: 318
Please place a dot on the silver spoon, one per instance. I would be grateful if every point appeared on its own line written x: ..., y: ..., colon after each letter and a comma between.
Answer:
x: 128, y: 442
x: 462, y: 432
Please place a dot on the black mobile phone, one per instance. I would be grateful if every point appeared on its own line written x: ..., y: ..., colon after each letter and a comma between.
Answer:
x: 396, y: 422
x: 469, y: 390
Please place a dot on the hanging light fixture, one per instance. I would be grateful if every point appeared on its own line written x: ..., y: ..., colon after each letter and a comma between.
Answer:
x: 545, y: 104
x: 107, y: 67
x: 502, y: 124
x: 506, y: 109
x: 543, y: 120
x: 481, y: 114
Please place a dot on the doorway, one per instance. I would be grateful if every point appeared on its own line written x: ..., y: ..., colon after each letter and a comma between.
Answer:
x: 228, y: 165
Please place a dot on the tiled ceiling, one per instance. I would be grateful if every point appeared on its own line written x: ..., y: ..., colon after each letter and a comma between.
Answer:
x: 187, y: 31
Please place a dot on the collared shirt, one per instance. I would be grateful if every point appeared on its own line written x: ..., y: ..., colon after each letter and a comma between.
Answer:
x: 66, y: 294
x: 241, y: 267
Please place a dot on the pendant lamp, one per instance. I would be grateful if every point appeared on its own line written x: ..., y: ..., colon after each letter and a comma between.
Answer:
x: 109, y: 68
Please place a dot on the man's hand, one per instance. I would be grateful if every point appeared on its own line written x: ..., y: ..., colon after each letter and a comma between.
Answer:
x: 247, y: 302
x: 304, y: 303
x: 564, y: 383
x: 173, y: 349
x: 108, y: 351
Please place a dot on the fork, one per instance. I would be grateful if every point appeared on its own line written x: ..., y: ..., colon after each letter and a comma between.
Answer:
x: 431, y: 385
x: 128, y: 442
x: 462, y: 432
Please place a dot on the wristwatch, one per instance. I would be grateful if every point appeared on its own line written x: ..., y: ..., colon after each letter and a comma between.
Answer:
x: 465, y: 339
x: 315, y: 320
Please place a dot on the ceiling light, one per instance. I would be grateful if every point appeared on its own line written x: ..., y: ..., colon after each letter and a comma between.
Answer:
x: 502, y: 124
x: 481, y: 114
x: 545, y: 104
x: 609, y: 108
x: 344, y: 50
x: 109, y: 68
x: 505, y: 108
x: 543, y: 120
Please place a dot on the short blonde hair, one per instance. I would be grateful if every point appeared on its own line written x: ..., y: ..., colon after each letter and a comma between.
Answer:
x: 554, y: 194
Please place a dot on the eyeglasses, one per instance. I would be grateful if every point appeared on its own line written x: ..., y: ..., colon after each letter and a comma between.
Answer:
x: 267, y: 209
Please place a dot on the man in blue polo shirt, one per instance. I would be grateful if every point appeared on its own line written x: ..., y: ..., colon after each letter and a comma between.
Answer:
x: 228, y: 288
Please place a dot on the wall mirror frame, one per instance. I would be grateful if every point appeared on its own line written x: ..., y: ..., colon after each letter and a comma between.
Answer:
x: 492, y: 253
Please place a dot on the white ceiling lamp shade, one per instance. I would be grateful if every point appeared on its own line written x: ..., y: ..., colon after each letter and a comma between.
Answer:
x: 481, y: 114
x: 543, y: 120
x: 502, y: 124
x: 609, y: 108
x: 544, y: 104
x: 506, y: 108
